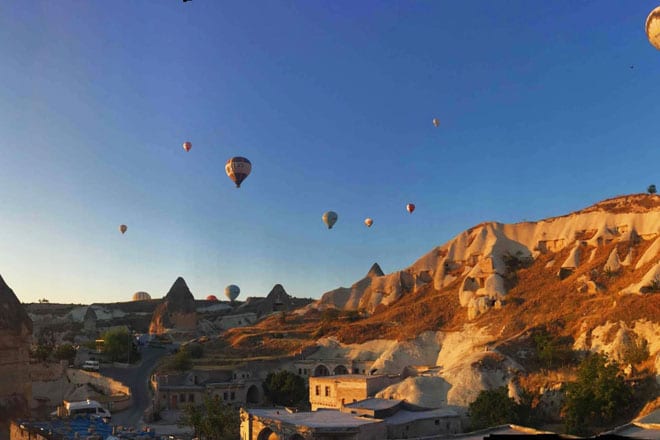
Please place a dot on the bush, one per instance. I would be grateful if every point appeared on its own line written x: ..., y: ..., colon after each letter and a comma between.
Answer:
x: 598, y: 396
x: 196, y: 350
x: 637, y: 352
x: 651, y: 189
x: 492, y: 408
x: 181, y: 361
x: 66, y: 352
x: 212, y: 420
x: 285, y: 388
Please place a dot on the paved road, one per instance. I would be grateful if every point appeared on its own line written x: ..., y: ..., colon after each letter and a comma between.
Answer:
x: 137, y: 379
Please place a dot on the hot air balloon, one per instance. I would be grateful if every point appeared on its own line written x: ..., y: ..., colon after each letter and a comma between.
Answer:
x: 410, y: 207
x: 436, y: 122
x: 141, y: 296
x: 187, y: 146
x: 368, y: 222
x: 653, y: 27
x: 123, y: 228
x: 329, y: 218
x: 211, y: 298
x: 238, y: 168
x: 232, y: 291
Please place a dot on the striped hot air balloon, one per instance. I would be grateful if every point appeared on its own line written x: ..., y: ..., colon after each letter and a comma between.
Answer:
x: 330, y: 218
x: 232, y: 291
x: 238, y: 168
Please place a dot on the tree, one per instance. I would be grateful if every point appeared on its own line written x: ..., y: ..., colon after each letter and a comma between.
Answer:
x: 182, y: 361
x: 212, y: 420
x: 285, y: 388
x: 118, y: 346
x: 65, y: 352
x: 651, y: 189
x: 492, y: 408
x: 597, y: 397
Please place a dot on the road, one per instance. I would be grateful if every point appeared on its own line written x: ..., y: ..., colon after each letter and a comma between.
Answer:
x: 137, y: 379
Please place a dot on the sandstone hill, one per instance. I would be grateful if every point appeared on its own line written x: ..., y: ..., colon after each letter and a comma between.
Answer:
x: 177, y: 312
x: 466, y: 314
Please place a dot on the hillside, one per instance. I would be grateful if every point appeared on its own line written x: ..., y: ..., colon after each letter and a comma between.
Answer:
x: 467, y: 316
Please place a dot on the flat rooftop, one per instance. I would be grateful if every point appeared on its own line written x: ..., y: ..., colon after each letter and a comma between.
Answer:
x: 374, y: 404
x: 315, y: 419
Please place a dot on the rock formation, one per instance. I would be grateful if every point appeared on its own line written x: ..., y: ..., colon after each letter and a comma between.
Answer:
x: 177, y: 311
x: 15, y: 338
x: 483, y: 256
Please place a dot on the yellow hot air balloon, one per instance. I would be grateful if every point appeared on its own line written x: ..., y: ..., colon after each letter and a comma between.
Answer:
x: 653, y: 27
x: 123, y: 228
x: 238, y: 168
x: 368, y: 221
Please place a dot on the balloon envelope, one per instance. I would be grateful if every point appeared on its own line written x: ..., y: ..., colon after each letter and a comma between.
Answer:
x: 238, y: 168
x: 368, y: 222
x: 410, y: 207
x: 329, y: 218
x: 436, y: 122
x: 187, y: 146
x: 211, y: 298
x: 123, y: 228
x: 232, y: 291
x: 653, y: 27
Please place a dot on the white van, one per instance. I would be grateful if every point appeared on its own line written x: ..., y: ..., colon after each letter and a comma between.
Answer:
x: 87, y: 407
x: 91, y: 366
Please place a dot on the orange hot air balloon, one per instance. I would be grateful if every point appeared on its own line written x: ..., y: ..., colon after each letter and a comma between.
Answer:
x: 123, y: 228
x: 410, y: 207
x: 653, y: 27
x: 238, y: 168
x: 368, y: 221
x: 187, y: 146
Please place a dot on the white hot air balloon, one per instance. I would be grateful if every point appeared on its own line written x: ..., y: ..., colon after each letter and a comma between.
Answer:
x: 653, y: 27
x: 436, y: 122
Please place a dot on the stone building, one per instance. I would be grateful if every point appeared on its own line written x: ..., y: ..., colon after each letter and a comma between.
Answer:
x: 15, y: 339
x: 336, y: 391
x: 174, y: 391
x: 367, y: 419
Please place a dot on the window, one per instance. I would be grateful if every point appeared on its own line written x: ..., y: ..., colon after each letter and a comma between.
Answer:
x: 182, y: 398
x: 191, y: 397
x: 327, y: 391
x: 318, y: 390
x: 299, y: 371
x: 232, y: 396
x: 437, y: 422
x: 224, y: 395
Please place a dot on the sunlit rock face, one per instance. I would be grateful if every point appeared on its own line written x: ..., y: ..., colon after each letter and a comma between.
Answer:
x: 482, y: 256
x: 176, y: 312
x: 15, y: 337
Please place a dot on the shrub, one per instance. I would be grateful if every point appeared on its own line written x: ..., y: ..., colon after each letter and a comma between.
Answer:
x: 597, y: 396
x: 285, y: 388
x: 492, y: 408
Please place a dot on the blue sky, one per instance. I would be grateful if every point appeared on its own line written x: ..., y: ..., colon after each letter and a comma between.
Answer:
x: 541, y: 114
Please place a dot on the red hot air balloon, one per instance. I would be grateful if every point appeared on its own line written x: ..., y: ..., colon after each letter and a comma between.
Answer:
x: 122, y: 229
x: 238, y: 168
x: 410, y: 207
x: 368, y: 221
x: 187, y: 146
x: 212, y: 298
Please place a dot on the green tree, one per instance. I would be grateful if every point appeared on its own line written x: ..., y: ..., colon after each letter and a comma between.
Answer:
x: 492, y: 408
x: 212, y: 420
x: 651, y: 189
x: 551, y: 351
x: 597, y: 397
x: 181, y: 361
x: 65, y: 352
x: 118, y: 346
x: 196, y: 350
x: 285, y: 388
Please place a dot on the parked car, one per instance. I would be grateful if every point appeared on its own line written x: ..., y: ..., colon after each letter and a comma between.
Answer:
x: 91, y: 408
x: 91, y: 366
